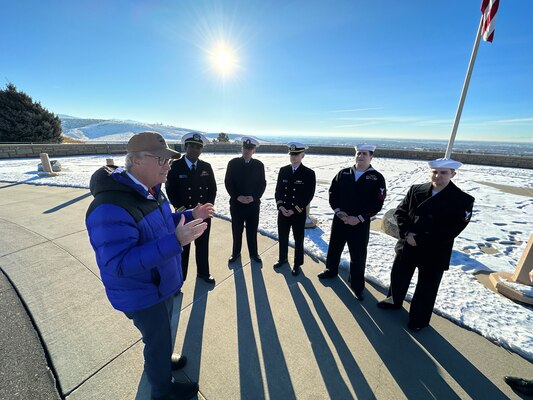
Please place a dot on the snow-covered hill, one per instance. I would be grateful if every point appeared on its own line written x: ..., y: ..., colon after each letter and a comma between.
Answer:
x: 102, y: 130
x: 115, y: 130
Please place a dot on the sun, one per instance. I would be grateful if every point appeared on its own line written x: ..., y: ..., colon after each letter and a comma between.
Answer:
x: 223, y: 59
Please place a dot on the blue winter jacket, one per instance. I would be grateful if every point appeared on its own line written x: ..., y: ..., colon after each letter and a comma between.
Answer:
x: 133, y: 237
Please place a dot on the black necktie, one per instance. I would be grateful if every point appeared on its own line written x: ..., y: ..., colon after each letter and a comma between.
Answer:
x: 193, y: 168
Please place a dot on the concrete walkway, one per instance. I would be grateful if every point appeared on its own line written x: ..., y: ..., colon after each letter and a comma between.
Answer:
x: 257, y: 334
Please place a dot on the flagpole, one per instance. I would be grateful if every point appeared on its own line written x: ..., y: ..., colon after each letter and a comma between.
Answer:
x: 465, y: 89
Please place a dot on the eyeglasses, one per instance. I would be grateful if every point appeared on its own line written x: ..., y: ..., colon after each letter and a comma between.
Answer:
x: 160, y: 160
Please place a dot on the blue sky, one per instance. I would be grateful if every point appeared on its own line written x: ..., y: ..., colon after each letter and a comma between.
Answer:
x: 342, y: 68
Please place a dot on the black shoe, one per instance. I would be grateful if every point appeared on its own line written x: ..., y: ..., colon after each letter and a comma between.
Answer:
x: 207, y: 278
x: 387, y: 305
x: 256, y: 258
x: 415, y: 328
x: 234, y: 257
x: 295, y: 270
x: 178, y: 361
x: 359, y: 295
x: 327, y: 274
x: 522, y: 385
x: 280, y: 263
x: 179, y: 391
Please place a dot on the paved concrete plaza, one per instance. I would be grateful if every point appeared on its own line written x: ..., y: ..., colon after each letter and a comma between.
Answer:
x: 259, y: 333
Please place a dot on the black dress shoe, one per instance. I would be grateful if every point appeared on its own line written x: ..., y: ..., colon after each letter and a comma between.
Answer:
x: 178, y: 361
x: 207, y: 278
x: 327, y: 274
x: 280, y: 263
x: 415, y: 328
x: 256, y: 258
x: 387, y: 305
x: 295, y: 270
x: 522, y: 385
x: 234, y: 258
x: 359, y: 295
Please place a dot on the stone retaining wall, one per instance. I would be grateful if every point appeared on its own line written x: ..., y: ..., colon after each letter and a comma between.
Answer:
x: 55, y: 150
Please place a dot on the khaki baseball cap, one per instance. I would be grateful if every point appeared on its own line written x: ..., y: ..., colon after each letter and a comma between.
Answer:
x: 151, y: 142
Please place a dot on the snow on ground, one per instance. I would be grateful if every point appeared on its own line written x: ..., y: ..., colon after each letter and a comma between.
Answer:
x: 495, y: 239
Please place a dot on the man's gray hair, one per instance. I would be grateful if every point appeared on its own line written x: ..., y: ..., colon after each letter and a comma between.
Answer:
x: 128, y: 163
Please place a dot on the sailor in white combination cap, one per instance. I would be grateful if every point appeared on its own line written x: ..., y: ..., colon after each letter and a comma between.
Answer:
x: 191, y: 181
x: 194, y: 138
x: 429, y: 218
x: 356, y: 195
x: 296, y: 148
x: 295, y: 189
x: 249, y: 142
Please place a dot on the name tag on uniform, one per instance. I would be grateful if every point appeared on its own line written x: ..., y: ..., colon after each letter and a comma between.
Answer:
x: 182, y: 176
x: 204, y: 173
x: 298, y: 182
x: 346, y: 173
x: 372, y: 177
x: 285, y: 180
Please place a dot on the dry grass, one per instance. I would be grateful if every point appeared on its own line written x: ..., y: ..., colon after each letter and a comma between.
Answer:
x: 67, y: 139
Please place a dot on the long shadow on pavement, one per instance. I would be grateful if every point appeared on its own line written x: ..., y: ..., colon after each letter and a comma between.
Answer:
x: 355, y: 375
x: 415, y: 372
x: 192, y: 342
x: 467, y: 375
x: 250, y: 378
x: 277, y: 373
x: 67, y: 203
x: 331, y: 376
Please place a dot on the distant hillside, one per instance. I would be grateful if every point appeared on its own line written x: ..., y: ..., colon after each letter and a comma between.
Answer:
x: 72, y: 123
x: 105, y: 130
x: 87, y: 129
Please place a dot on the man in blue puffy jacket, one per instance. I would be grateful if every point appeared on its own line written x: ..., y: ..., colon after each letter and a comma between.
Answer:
x: 138, y: 243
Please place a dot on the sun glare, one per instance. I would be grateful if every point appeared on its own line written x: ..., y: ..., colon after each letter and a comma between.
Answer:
x: 223, y: 59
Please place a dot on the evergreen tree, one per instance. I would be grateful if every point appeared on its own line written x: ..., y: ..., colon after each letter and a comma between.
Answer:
x: 23, y: 120
x: 223, y: 137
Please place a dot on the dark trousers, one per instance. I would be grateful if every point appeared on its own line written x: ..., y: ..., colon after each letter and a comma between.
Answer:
x: 202, y: 253
x: 297, y: 223
x: 154, y: 324
x: 357, y: 239
x: 242, y: 214
x: 427, y: 286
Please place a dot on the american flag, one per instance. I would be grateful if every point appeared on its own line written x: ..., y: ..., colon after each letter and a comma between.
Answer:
x: 489, y: 8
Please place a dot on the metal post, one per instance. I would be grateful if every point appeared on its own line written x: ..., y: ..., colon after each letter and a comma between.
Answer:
x: 465, y: 89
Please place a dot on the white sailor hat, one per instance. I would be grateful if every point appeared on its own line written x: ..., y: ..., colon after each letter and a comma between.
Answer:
x: 296, y: 147
x: 249, y: 142
x: 194, y: 137
x: 444, y: 163
x: 365, y: 147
